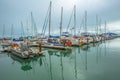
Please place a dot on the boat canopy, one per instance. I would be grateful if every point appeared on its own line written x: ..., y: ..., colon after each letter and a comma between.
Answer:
x: 109, y: 34
x: 51, y: 36
x: 65, y: 33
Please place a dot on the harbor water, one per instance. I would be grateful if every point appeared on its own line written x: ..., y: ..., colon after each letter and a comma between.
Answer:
x: 100, y: 61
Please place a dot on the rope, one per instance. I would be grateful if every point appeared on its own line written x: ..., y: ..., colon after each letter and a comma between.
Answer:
x: 70, y: 20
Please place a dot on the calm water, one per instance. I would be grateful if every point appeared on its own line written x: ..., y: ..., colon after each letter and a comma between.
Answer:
x: 93, y: 62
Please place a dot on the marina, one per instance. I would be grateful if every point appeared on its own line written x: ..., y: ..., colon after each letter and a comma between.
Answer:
x: 59, y: 40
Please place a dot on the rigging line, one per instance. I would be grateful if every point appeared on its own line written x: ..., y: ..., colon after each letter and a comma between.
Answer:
x: 81, y: 23
x: 45, y: 21
x: 33, y: 24
x: 45, y: 27
x: 35, y: 27
x: 70, y: 20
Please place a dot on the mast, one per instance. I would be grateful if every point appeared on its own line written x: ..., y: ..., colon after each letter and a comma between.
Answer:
x: 27, y: 28
x: 3, y: 30
x: 61, y: 21
x: 22, y: 30
x: 85, y: 23
x: 74, y: 20
x: 105, y: 27
x: 100, y: 30
x: 105, y: 30
x: 100, y: 26
x: 32, y: 25
x: 50, y: 17
x: 12, y: 32
x: 96, y: 25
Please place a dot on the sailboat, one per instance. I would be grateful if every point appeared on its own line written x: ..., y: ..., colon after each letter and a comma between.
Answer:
x: 96, y: 38
x: 19, y: 39
x: 53, y: 42
x: 34, y: 37
x: 5, y: 41
x: 22, y: 49
x: 67, y: 36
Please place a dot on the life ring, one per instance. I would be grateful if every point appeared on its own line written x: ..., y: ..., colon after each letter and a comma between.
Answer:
x: 69, y: 43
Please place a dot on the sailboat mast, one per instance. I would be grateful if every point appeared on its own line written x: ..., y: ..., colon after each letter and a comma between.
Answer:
x: 100, y: 26
x: 96, y: 25
x: 12, y: 32
x: 85, y: 22
x: 50, y: 17
x: 3, y: 30
x: 22, y: 30
x: 61, y: 21
x: 32, y: 27
x: 74, y: 20
x: 105, y: 27
x: 27, y: 28
x: 105, y: 35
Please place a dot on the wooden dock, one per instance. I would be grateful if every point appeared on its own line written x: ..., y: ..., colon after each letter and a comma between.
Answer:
x: 49, y: 46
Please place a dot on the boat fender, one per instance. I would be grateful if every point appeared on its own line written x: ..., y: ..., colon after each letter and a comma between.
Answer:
x: 81, y: 42
x: 69, y: 43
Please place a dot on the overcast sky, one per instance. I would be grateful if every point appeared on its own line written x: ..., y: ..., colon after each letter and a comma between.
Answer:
x: 15, y: 11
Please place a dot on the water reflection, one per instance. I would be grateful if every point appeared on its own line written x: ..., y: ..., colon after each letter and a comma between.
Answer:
x: 60, y: 54
x: 61, y: 60
x: 47, y: 61
x: 79, y: 63
x: 86, y: 59
x: 75, y: 65
x: 26, y: 64
x: 105, y: 48
x: 50, y: 53
x: 85, y: 47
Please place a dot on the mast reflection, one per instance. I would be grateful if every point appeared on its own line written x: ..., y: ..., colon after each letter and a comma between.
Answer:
x: 26, y: 64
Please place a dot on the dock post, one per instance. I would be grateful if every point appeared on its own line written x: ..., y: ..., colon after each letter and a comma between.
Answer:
x: 40, y: 50
x: 87, y: 40
x: 64, y: 42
